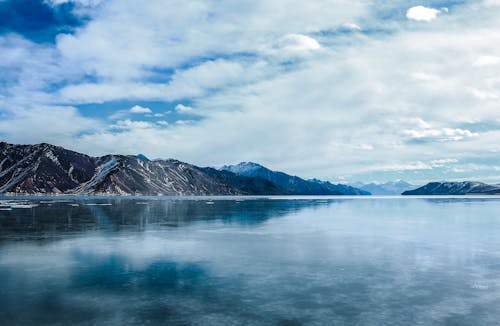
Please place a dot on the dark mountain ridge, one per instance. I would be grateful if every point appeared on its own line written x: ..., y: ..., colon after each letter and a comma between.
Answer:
x: 292, y: 184
x: 455, y: 188
x: 49, y: 169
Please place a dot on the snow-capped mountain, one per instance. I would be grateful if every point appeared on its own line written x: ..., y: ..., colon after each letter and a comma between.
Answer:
x: 292, y: 184
x: 455, y: 188
x: 391, y: 188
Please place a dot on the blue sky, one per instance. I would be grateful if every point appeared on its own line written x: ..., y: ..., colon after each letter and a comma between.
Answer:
x: 335, y: 89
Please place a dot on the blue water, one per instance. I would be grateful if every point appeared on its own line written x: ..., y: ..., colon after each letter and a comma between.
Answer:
x: 256, y: 261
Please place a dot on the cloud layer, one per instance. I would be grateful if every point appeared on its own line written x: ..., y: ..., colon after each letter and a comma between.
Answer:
x: 340, y: 90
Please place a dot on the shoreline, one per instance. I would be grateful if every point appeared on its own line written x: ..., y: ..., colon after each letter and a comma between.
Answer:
x: 238, y: 197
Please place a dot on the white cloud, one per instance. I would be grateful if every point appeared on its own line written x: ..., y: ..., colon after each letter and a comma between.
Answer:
x: 174, y: 33
x: 421, y: 13
x: 416, y: 122
x: 192, y: 82
x: 441, y: 135
x: 412, y: 166
x: 140, y: 109
x: 492, y: 3
x: 299, y: 43
x: 443, y: 162
x: 184, y: 122
x: 486, y: 60
x: 352, y: 26
x: 197, y: 80
x: 130, y: 124
x: 79, y: 2
x: 181, y: 108
x: 366, y: 147
x: 45, y: 124
x: 483, y: 95
x: 425, y: 77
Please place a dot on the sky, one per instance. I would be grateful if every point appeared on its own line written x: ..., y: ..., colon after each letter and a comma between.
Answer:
x: 340, y: 90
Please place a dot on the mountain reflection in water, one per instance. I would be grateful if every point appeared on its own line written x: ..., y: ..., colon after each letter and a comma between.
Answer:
x: 258, y: 261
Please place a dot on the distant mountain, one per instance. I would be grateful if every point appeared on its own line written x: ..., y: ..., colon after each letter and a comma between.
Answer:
x: 455, y: 188
x: 48, y: 169
x: 292, y: 184
x: 392, y: 188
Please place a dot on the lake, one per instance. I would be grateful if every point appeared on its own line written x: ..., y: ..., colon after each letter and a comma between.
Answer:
x: 250, y: 261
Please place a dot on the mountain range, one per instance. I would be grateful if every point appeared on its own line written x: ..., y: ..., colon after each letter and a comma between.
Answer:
x: 49, y: 169
x: 291, y: 183
x: 391, y: 188
x: 455, y: 188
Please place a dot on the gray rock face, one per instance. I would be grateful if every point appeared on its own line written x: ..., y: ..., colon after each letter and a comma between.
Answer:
x: 42, y: 168
x: 48, y: 169
x: 455, y: 188
x: 292, y: 184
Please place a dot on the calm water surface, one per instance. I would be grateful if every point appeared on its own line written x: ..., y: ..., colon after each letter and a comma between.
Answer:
x: 302, y: 261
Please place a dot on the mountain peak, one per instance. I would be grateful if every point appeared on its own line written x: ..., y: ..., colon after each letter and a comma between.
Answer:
x: 249, y: 164
x: 142, y: 157
x: 244, y: 168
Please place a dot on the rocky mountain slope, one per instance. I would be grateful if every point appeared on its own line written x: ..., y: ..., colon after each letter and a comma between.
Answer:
x: 292, y: 184
x: 455, y: 188
x: 48, y: 169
